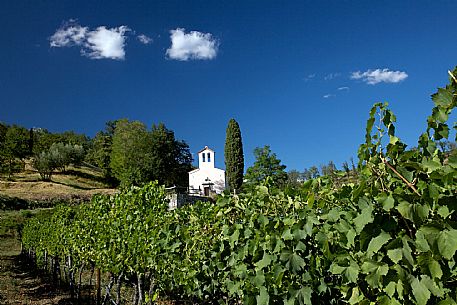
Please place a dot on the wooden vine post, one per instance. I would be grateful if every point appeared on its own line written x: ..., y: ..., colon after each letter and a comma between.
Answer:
x: 98, y: 286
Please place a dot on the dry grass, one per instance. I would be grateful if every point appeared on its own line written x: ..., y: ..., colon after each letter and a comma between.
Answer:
x: 80, y: 182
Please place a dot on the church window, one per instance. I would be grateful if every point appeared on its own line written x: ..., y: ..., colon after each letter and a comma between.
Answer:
x: 209, y: 157
x: 203, y: 156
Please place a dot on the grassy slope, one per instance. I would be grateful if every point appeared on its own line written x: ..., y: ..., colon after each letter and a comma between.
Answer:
x: 77, y: 182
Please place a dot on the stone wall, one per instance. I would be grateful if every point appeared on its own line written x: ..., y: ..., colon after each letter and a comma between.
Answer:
x: 178, y: 200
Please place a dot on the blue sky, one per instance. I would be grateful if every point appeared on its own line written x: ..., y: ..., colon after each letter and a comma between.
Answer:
x: 299, y: 76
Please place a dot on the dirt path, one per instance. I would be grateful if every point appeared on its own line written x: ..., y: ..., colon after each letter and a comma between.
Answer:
x: 20, y: 284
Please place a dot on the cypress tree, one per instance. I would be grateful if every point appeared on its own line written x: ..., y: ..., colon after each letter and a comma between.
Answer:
x: 234, y: 158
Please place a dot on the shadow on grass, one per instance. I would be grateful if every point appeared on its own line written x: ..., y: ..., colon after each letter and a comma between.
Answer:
x: 84, y: 175
x: 75, y: 186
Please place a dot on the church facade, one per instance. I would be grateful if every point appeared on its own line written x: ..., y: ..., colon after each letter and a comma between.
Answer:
x: 206, y: 179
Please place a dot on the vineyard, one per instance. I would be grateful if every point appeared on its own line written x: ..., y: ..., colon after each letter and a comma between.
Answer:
x: 389, y: 238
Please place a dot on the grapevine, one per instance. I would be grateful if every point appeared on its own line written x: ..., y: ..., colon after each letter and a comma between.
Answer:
x: 390, y: 238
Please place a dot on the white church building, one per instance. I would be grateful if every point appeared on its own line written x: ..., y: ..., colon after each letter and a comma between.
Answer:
x: 206, y: 178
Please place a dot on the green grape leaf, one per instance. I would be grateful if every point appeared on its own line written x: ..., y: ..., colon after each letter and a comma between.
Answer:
x: 352, y: 272
x: 447, y: 243
x: 443, y: 98
x: 263, y: 298
x: 356, y: 296
x: 431, y: 286
x: 390, y: 289
x: 377, y: 242
x: 264, y: 262
x: 431, y: 165
x: 448, y: 301
x: 443, y: 211
x: 259, y: 279
x: 299, y: 234
x: 395, y: 255
x: 387, y: 202
x: 421, y: 242
x: 405, y: 209
x: 336, y: 269
x: 364, y: 218
x: 420, y: 291
x: 286, y: 235
x: 304, y: 295
x: 297, y: 262
x: 350, y: 235
x: 374, y: 271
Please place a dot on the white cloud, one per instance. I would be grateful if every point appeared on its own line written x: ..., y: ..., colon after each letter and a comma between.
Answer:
x: 68, y: 35
x: 144, y: 39
x: 194, y: 45
x: 97, y: 44
x: 106, y: 43
x: 329, y: 95
x: 343, y: 88
x: 373, y: 77
x: 331, y: 76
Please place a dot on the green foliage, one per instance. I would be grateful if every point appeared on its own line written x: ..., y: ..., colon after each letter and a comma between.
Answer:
x: 44, y: 164
x: 59, y: 156
x: 138, y: 156
x: 13, y: 148
x: 171, y: 158
x: 390, y: 238
x: 267, y: 165
x: 43, y: 139
x: 100, y: 151
x: 130, y: 154
x: 234, y: 157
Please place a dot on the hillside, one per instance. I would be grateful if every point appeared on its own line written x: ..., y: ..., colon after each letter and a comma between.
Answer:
x: 76, y: 184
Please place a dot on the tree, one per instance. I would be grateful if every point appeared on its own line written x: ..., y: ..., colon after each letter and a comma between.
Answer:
x: 43, y: 140
x: 44, y: 164
x: 58, y: 156
x: 138, y: 156
x: 59, y: 153
x: 314, y: 172
x: 171, y: 158
x: 99, y: 153
x: 329, y: 169
x: 234, y: 157
x: 307, y: 174
x: 131, y: 153
x: 346, y: 167
x: 294, y: 178
x: 266, y: 165
x: 14, y: 148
